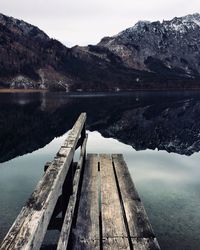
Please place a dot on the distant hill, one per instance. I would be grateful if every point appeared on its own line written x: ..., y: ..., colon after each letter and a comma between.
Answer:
x: 149, y: 55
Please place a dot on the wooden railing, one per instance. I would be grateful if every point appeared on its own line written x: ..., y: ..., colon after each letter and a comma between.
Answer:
x: 55, y: 193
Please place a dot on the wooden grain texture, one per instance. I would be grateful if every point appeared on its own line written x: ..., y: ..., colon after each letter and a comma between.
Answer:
x: 66, y: 227
x: 136, y: 216
x: 29, y: 229
x: 86, y: 233
x: 76, y: 132
x: 140, y: 230
x: 145, y: 244
x: 114, y: 232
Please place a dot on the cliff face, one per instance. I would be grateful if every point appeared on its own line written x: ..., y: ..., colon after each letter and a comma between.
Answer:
x: 171, y: 47
x: 148, y: 55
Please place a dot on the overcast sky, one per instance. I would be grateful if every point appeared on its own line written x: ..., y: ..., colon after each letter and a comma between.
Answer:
x: 85, y: 22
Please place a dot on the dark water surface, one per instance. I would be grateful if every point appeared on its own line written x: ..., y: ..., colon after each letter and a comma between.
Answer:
x: 158, y: 133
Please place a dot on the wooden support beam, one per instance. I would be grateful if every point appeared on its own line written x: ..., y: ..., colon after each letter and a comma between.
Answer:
x: 30, y: 226
x: 66, y: 227
x: 29, y: 229
x: 55, y: 224
x: 75, y: 132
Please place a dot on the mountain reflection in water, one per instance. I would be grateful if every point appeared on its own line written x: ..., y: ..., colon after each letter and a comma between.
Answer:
x: 166, y: 121
x: 132, y: 124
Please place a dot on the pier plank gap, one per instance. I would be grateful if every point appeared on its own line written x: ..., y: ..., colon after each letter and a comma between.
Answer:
x: 93, y: 203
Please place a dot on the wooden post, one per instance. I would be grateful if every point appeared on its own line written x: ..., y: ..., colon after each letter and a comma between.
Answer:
x: 67, y: 189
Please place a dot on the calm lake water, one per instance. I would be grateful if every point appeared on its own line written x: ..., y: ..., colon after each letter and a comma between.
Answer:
x: 158, y: 133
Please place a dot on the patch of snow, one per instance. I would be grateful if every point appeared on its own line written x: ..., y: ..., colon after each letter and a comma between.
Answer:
x: 171, y: 144
x: 111, y: 40
x: 197, y: 22
x: 195, y: 18
x: 137, y: 27
x: 182, y: 24
x: 64, y: 85
x: 140, y: 24
x: 42, y: 86
x: 19, y: 78
x: 137, y: 79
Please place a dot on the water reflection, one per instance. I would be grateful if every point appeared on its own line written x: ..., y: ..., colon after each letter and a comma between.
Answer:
x: 169, y: 187
x: 142, y: 126
x: 18, y: 178
x: 143, y: 120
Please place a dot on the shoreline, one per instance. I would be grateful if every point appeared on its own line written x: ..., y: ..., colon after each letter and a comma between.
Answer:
x: 93, y: 92
x: 23, y: 90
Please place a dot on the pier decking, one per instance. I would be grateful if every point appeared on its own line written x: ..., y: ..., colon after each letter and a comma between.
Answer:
x: 92, y: 202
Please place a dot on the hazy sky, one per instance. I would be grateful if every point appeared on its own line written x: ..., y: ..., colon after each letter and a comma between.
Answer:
x: 87, y: 21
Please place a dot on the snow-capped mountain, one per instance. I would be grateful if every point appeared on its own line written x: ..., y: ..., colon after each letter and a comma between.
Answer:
x: 160, y: 46
x: 149, y: 55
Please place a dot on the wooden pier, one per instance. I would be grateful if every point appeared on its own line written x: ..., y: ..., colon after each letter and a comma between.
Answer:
x: 92, y: 203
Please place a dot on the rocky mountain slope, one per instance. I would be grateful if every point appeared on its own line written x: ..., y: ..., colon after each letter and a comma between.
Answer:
x: 29, y: 58
x: 170, y: 47
x: 148, y: 55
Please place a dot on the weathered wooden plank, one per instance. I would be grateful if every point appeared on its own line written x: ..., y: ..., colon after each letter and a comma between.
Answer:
x: 30, y: 226
x: 86, y: 244
x: 145, y: 244
x: 14, y: 230
x: 114, y: 232
x: 86, y: 233
x: 136, y: 216
x: 76, y: 132
x: 64, y: 235
x: 117, y: 243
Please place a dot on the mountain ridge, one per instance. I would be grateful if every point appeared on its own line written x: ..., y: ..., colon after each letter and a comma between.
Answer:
x: 148, y: 55
x: 171, y: 42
